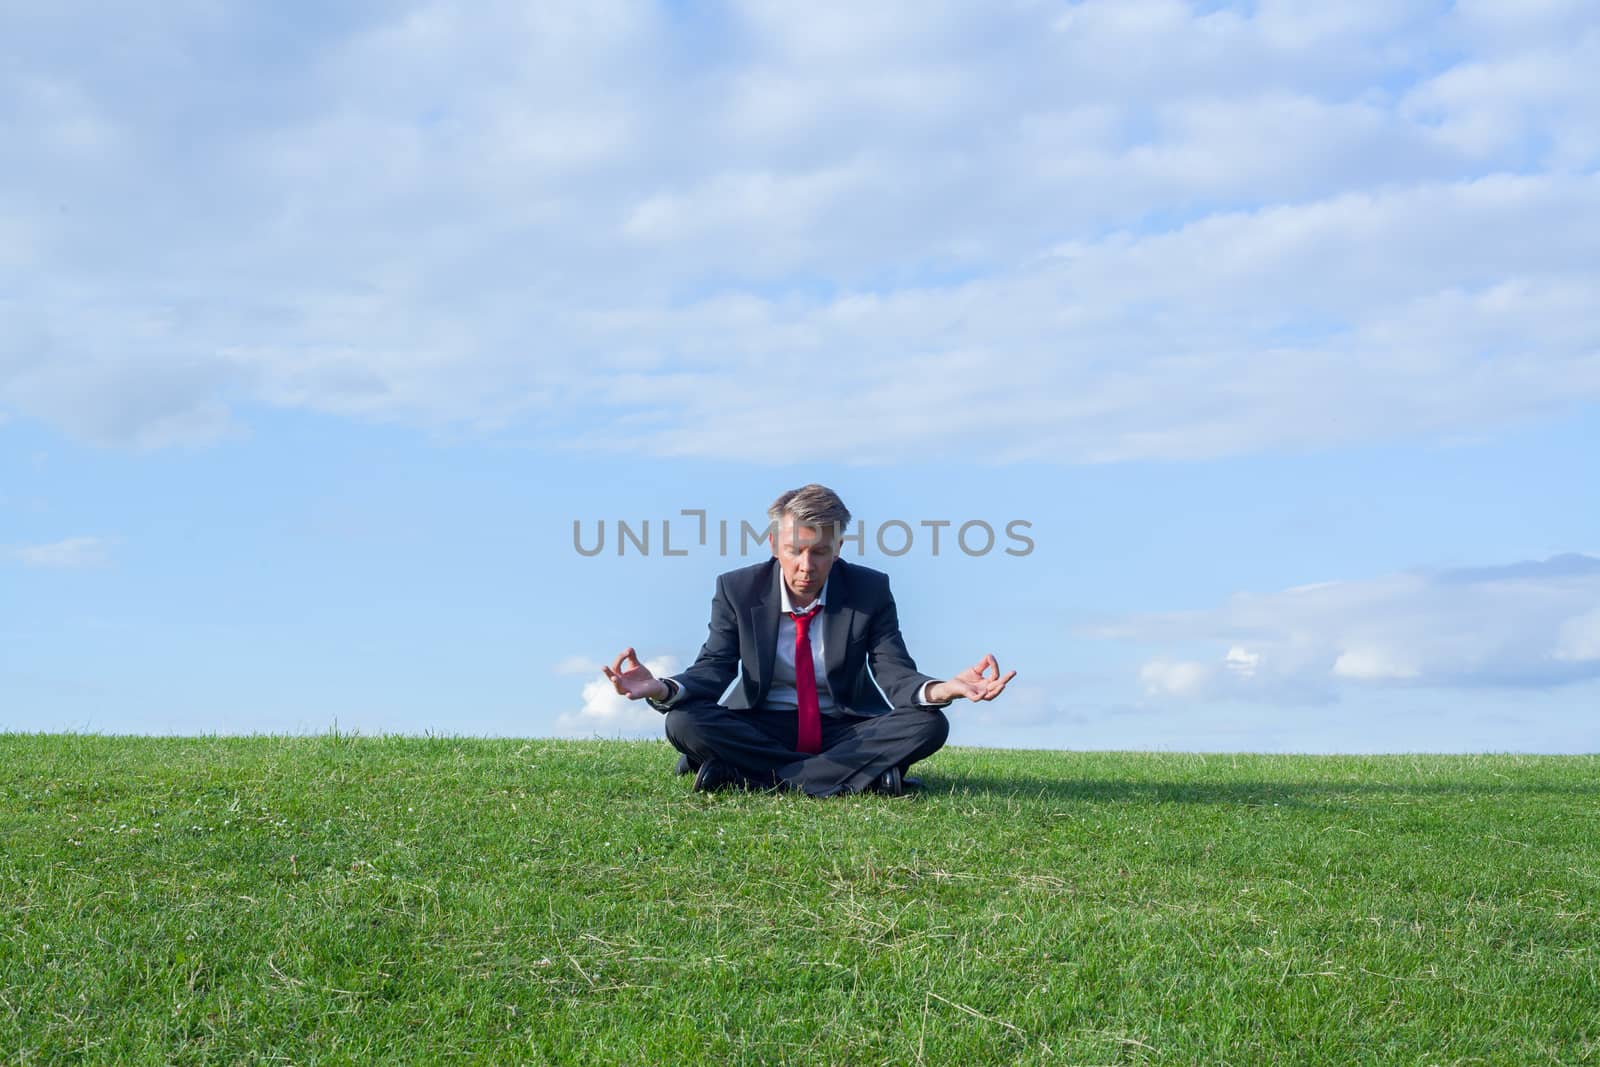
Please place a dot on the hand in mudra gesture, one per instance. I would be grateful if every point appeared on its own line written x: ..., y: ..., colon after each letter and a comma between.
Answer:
x: 636, y: 682
x: 974, y: 683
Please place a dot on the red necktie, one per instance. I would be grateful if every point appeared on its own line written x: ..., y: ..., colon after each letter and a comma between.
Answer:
x: 808, y: 737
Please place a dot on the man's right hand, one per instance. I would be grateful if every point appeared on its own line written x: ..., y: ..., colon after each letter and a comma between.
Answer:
x: 636, y: 682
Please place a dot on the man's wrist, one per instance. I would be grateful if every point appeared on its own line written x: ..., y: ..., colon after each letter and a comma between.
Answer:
x: 669, y: 690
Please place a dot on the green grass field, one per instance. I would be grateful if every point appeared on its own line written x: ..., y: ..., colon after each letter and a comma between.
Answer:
x: 336, y: 899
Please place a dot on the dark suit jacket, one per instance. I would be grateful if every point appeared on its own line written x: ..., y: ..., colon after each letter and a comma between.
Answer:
x: 860, y: 633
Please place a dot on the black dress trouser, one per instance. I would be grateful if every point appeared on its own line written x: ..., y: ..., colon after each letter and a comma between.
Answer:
x: 855, y: 748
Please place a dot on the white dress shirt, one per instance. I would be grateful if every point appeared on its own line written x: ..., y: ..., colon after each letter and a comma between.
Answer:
x: 782, y: 694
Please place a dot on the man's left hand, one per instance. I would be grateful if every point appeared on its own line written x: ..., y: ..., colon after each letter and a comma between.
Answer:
x: 974, y: 683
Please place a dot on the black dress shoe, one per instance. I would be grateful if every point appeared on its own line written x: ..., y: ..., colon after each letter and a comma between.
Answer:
x: 889, y: 783
x: 910, y: 783
x: 685, y: 766
x: 714, y: 775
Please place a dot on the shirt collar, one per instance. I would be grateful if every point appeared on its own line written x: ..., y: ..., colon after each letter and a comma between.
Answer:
x: 788, y: 605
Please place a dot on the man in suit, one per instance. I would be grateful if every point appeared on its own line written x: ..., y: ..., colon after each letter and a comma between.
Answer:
x: 813, y: 639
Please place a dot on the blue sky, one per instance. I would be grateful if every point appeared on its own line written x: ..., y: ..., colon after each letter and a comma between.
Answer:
x: 1273, y: 322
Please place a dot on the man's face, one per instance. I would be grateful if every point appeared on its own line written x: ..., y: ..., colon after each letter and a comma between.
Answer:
x: 806, y: 555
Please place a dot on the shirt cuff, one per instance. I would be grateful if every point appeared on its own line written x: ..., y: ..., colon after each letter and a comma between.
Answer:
x: 674, y: 694
x: 922, y: 697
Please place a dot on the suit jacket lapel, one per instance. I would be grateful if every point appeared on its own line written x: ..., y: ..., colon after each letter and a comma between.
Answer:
x: 836, y: 615
x: 764, y: 624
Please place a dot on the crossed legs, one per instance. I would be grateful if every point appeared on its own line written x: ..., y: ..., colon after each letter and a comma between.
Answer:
x: 855, y: 748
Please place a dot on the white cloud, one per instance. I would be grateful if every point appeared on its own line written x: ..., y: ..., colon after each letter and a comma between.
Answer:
x: 1580, y: 639
x: 1536, y: 101
x: 1242, y: 662
x: 72, y: 552
x: 727, y: 205
x: 1181, y: 233
x: 1523, y: 625
x: 605, y: 713
x: 1184, y: 678
x: 1371, y: 663
x: 1195, y: 342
